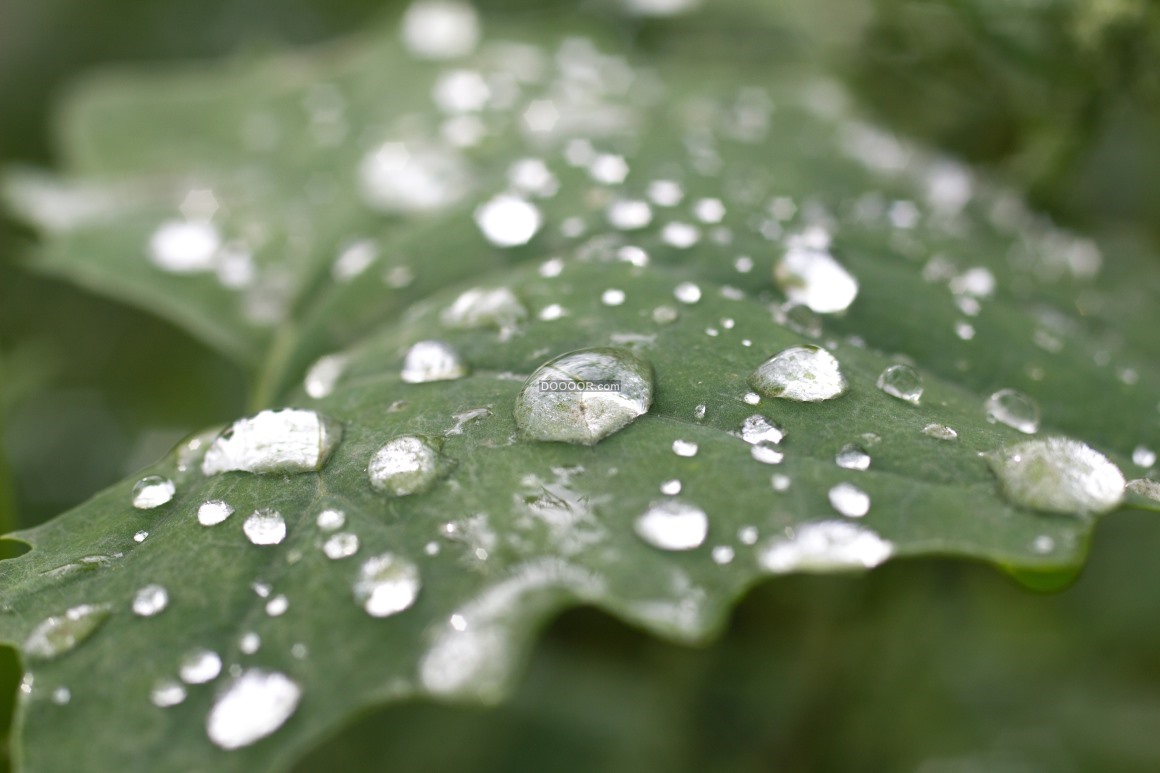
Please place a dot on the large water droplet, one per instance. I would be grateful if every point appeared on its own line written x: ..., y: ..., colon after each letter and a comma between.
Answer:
x: 440, y: 29
x: 805, y: 373
x: 150, y: 600
x: 407, y: 465
x: 265, y: 526
x: 254, y: 705
x: 825, y: 546
x: 432, y: 361
x: 584, y: 396
x: 480, y: 308
x: 849, y: 500
x: 853, y: 457
x: 811, y: 277
x: 387, y: 584
x: 508, y: 221
x: 152, y: 491
x: 59, y: 634
x: 199, y: 666
x: 1058, y: 475
x: 1014, y: 409
x: 901, y: 381
x: 673, y: 525
x: 283, y: 441
x: 213, y: 512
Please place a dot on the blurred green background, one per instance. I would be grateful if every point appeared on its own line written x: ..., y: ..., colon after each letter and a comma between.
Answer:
x: 928, y: 666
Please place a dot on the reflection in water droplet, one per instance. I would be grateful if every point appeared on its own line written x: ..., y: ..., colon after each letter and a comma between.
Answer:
x: 584, y: 396
x: 440, y: 29
x: 811, y: 277
x: 508, y: 221
x: 406, y: 465
x: 283, y: 441
x: 324, y: 375
x: 213, y: 512
x: 805, y: 373
x: 56, y: 635
x: 758, y: 429
x: 199, y: 666
x: 1058, y: 475
x: 1014, y: 409
x: 254, y: 705
x: 825, y: 546
x: 432, y: 361
x: 150, y: 600
x: 853, y: 457
x: 265, y: 526
x: 152, y: 491
x: 341, y: 545
x: 849, y: 500
x: 387, y: 584
x: 940, y: 431
x: 166, y: 693
x: 901, y: 381
x: 673, y: 525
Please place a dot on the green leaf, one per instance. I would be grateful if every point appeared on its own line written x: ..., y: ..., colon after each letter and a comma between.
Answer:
x: 511, y: 531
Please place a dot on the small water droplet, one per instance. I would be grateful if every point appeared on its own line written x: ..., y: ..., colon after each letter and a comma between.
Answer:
x: 940, y: 432
x: 277, y: 606
x: 1058, y: 475
x: 901, y: 381
x: 766, y: 454
x: 56, y: 635
x: 432, y: 361
x: 324, y: 375
x: 141, y: 536
x: 629, y: 215
x: 853, y: 457
x: 61, y: 696
x: 199, y: 666
x: 150, y: 600
x: 252, y: 707
x: 664, y: 315
x: 612, y: 297
x: 331, y: 519
x: 250, y: 643
x: 399, y: 177
x: 805, y: 373
x: 152, y: 491
x: 1014, y: 409
x: 166, y: 693
x: 584, y: 396
x: 781, y: 482
x: 964, y: 330
x: 479, y: 308
x: 687, y: 292
x: 387, y: 584
x: 185, y: 247
x: 673, y: 525
x: 671, y: 487
x: 665, y: 193
x: 825, y: 546
x: 213, y: 512
x: 680, y: 235
x: 508, y: 221
x: 722, y: 554
x: 747, y: 535
x: 849, y: 500
x: 810, y: 276
x: 1043, y: 544
x: 1144, y: 457
x: 440, y: 29
x: 407, y: 465
x: 685, y: 448
x: 274, y: 441
x: 758, y: 429
x: 265, y: 526
x: 341, y: 545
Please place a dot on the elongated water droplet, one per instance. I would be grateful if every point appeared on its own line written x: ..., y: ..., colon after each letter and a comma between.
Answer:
x: 331, y: 519
x: 584, y: 396
x: 686, y: 448
x: 804, y: 373
x: 849, y: 500
x: 213, y: 512
x: 673, y: 525
x: 1058, y: 475
x: 825, y: 546
x: 265, y: 526
x: 387, y: 584
x: 166, y: 693
x: 766, y: 453
x: 59, y: 634
x: 150, y: 600
x: 1014, y: 409
x: 253, y: 706
x: 324, y: 374
x: 199, y: 666
x: 407, y: 465
x: 758, y: 429
x: 341, y: 545
x: 903, y: 382
x: 811, y: 277
x: 432, y: 361
x: 284, y: 441
x: 853, y: 457
x: 477, y: 308
x: 940, y: 432
x: 152, y: 491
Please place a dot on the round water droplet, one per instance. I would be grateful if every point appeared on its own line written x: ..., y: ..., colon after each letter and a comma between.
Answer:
x: 141, y: 536
x: 152, y: 491
x: 811, y: 277
x: 432, y: 361
x: 849, y: 500
x: 686, y: 448
x: 1058, y: 475
x: 250, y: 643
x: 282, y: 441
x: 722, y: 554
x: 330, y: 519
x: 508, y: 221
x: 1014, y: 409
x: 387, y: 584
x: 612, y: 297
x: 277, y: 606
x: 199, y: 666
x: 853, y: 457
x: 780, y: 482
x: 584, y: 396
x: 804, y: 373
x: 150, y: 600
x: 253, y: 706
x: 766, y: 453
x: 758, y: 429
x: 629, y: 215
x: 59, y: 634
x: 341, y: 545
x: 440, y: 29
x: 398, y: 177
x: 213, y: 512
x: 265, y: 526
x: 1144, y: 457
x: 407, y: 465
x: 673, y: 525
x: 185, y: 247
x: 903, y: 382
x: 166, y: 693
x: 671, y: 487
x: 687, y: 292
x: 940, y: 432
x: 483, y: 308
x: 823, y: 547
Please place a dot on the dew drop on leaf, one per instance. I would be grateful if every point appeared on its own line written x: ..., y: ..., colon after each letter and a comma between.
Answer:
x: 199, y: 666
x: 331, y: 519
x: 804, y: 373
x: 687, y: 292
x: 809, y: 276
x: 152, y: 491
x: 265, y: 526
x: 182, y: 247
x: 274, y: 441
x: 766, y: 453
x: 252, y: 707
x: 758, y: 429
x: 386, y: 585
x: 901, y: 381
x: 479, y: 307
x: 508, y: 221
x: 213, y: 512
x: 1058, y: 475
x: 1014, y: 409
x: 341, y: 545
x: 406, y: 465
x: 940, y: 432
x: 56, y: 635
x: 825, y: 546
x: 849, y: 500
x: 166, y: 693
x: 673, y: 525
x: 853, y: 457
x: 324, y: 374
x: 432, y: 361
x: 150, y: 600
x: 686, y: 448
x: 1142, y: 456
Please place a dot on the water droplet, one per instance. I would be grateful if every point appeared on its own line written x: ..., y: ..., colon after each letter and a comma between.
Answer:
x: 387, y: 584
x: 680, y: 235
x: 182, y: 247
x: 901, y: 381
x: 584, y: 396
x: 59, y: 634
x: 766, y: 453
x: 166, y: 693
x: 664, y: 315
x: 1143, y: 456
x: 277, y: 606
x: 432, y: 361
x: 141, y: 536
x: 849, y: 500
x: 213, y: 512
x: 751, y: 398
x: 629, y: 215
x: 825, y: 546
x: 747, y: 535
x: 940, y: 432
x: 406, y: 465
x: 398, y: 177
x: 282, y: 441
x: 684, y: 448
x: 758, y: 429
x: 324, y: 375
x: 665, y: 193
x: 1058, y: 475
x: 250, y: 643
x: 687, y: 292
x: 673, y: 525
x: 483, y: 308
x: 330, y: 519
x: 964, y: 330
x: 253, y: 706
x: 152, y: 491
x: 780, y: 482
x: 722, y: 554
x: 805, y: 373
x: 341, y: 545
x: 612, y: 297
x: 671, y: 487
x: 1014, y: 409
x: 812, y: 278
x: 709, y: 210
x: 265, y: 526
x: 1043, y: 544
x: 199, y: 666
x: 853, y: 457
x: 440, y: 29
x: 150, y: 600
x: 508, y: 221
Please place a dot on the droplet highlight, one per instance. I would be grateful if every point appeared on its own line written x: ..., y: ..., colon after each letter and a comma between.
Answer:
x: 804, y: 373
x: 1058, y: 475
